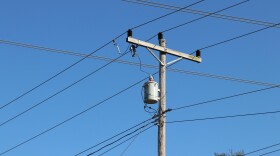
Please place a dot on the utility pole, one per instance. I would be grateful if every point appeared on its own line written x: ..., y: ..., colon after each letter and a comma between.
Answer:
x: 162, y: 78
x: 162, y: 102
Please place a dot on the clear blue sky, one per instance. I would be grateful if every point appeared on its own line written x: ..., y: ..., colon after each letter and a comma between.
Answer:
x: 84, y: 26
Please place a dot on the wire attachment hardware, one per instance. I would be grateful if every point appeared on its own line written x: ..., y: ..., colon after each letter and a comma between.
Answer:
x: 116, y: 45
x: 133, y: 50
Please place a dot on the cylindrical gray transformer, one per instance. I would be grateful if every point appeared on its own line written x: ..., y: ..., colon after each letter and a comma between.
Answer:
x: 151, y: 91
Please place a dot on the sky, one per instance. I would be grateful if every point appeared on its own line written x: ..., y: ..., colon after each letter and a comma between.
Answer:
x: 85, y: 26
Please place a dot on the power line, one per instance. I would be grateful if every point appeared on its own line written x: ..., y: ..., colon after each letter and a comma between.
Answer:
x: 114, y: 136
x: 125, y: 140
x: 82, y: 59
x: 187, y: 6
x: 247, y: 34
x: 262, y: 149
x: 145, y: 121
x: 57, y: 126
x: 224, y: 98
x: 61, y: 91
x: 27, y: 110
x: 79, y: 113
x: 217, y: 44
x: 199, y: 12
x: 128, y: 145
x: 76, y: 115
x: 225, y: 117
x: 188, y: 72
x: 221, y: 77
x: 131, y: 133
x: 270, y: 152
x: 194, y: 20
x: 57, y: 74
x: 180, y: 25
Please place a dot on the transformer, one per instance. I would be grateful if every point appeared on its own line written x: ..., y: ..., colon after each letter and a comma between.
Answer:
x: 151, y: 91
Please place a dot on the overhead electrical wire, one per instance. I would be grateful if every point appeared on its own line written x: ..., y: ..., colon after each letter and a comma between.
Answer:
x: 237, y: 37
x: 115, y: 141
x: 137, y: 125
x: 36, y: 105
x: 71, y: 118
x: 74, y: 116
x: 61, y: 91
x: 187, y: 6
x: 197, y: 19
x: 225, y: 41
x: 155, y: 118
x: 278, y: 150
x: 57, y: 74
x: 242, y: 115
x: 188, y: 72
x: 261, y: 149
x: 224, y: 98
x: 61, y: 123
x: 199, y: 12
x: 128, y: 88
x: 124, y: 141
x: 82, y: 113
x: 82, y: 59
x: 127, y: 147
x: 224, y: 117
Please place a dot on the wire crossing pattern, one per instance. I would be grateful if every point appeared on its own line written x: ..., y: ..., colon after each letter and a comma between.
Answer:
x: 188, y: 72
x: 131, y: 133
x: 56, y: 75
x: 155, y: 118
x: 78, y: 114
x: 187, y: 6
x: 61, y: 91
x: 137, y: 125
x: 197, y: 19
x: 74, y: 116
x: 82, y: 59
x: 128, y: 145
x: 199, y: 12
x: 125, y: 140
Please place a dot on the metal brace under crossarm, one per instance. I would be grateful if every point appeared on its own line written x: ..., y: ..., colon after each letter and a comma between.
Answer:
x: 162, y: 49
x: 174, y: 61
x: 155, y: 56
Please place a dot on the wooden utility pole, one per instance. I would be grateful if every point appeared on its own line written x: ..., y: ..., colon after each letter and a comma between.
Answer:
x: 162, y: 102
x: 162, y: 78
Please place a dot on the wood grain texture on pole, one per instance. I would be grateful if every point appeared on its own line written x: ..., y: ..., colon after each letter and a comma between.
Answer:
x: 162, y: 103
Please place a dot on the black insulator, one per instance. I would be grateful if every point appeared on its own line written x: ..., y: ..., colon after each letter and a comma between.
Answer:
x: 160, y: 35
x: 129, y: 33
x: 198, y: 53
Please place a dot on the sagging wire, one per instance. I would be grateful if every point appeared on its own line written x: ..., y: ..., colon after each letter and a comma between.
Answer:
x: 133, y: 52
x: 148, y: 109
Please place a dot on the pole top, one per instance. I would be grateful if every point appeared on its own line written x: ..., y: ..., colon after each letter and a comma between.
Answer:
x: 160, y: 35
